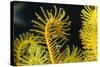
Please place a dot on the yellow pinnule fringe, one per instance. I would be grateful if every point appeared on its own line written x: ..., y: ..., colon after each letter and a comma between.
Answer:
x: 88, y: 33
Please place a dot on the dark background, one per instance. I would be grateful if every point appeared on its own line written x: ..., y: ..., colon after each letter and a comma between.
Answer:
x: 23, y: 12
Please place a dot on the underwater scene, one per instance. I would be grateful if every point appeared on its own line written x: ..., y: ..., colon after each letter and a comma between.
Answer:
x: 51, y: 33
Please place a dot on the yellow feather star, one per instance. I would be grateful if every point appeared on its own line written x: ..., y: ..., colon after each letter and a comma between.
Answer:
x: 51, y: 29
x: 88, y: 33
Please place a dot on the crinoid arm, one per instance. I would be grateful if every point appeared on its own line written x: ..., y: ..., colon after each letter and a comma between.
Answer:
x: 88, y: 33
x: 74, y: 55
x: 27, y: 51
x: 54, y: 30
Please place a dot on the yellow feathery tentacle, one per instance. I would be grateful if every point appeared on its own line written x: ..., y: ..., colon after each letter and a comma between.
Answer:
x: 53, y: 28
x: 35, y: 55
x: 72, y: 56
x: 88, y: 33
x: 27, y: 52
x: 18, y: 44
